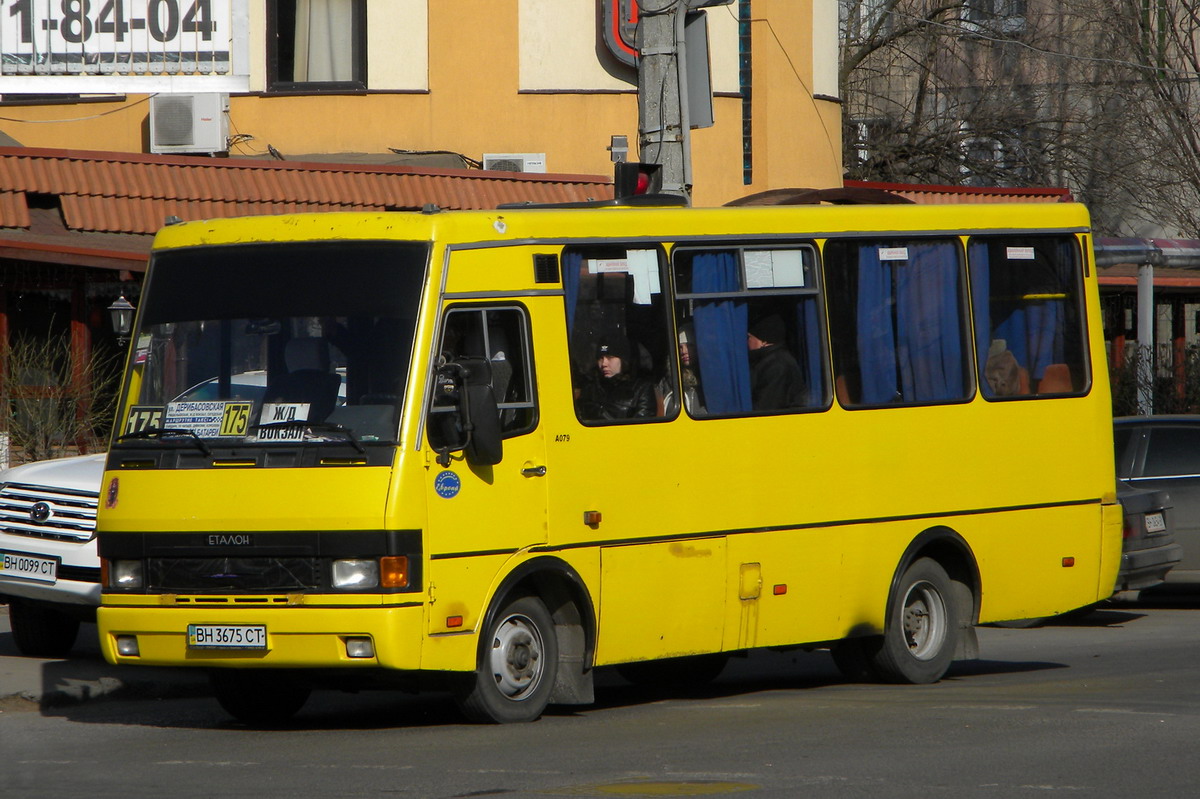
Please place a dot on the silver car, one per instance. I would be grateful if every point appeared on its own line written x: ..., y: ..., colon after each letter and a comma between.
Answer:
x: 49, y: 569
x: 1163, y: 453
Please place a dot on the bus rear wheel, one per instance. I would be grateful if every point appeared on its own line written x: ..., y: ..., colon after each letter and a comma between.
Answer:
x: 922, y: 627
x: 259, y: 697
x: 518, y: 663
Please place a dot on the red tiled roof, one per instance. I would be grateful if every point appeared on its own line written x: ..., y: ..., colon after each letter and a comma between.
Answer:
x: 931, y: 194
x: 133, y: 193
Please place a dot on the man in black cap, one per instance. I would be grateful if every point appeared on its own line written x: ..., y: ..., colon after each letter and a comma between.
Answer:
x: 776, y: 381
x: 616, y: 392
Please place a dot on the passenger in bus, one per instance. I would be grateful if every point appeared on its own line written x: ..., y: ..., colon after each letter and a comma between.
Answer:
x: 614, y: 390
x: 1003, y: 373
x: 689, y: 379
x: 776, y: 381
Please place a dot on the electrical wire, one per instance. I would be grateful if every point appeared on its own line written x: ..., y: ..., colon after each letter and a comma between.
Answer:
x: 135, y: 103
x: 808, y: 92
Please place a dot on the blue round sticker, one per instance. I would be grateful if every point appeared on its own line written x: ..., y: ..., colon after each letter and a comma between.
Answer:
x: 447, y: 484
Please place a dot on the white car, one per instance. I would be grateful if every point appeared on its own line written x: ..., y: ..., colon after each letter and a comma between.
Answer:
x: 49, y: 569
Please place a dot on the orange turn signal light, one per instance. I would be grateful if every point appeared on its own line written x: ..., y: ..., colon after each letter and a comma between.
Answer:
x: 393, y: 571
x: 1068, y: 562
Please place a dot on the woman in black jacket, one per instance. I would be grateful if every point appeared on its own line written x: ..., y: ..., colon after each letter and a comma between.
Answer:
x: 615, y: 392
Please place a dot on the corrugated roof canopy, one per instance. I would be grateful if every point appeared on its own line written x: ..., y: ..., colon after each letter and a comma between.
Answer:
x: 108, y: 205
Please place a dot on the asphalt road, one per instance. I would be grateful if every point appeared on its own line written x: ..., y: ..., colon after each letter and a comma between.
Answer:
x: 1105, y: 705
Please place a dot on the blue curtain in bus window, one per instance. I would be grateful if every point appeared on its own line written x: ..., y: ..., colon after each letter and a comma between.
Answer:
x: 808, y: 353
x: 909, y: 332
x: 721, y: 335
x: 572, y: 263
x: 876, y: 334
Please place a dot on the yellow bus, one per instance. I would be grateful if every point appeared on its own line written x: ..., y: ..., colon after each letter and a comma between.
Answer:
x: 495, y: 451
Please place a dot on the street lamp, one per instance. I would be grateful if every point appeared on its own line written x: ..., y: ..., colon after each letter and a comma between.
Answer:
x: 121, y: 315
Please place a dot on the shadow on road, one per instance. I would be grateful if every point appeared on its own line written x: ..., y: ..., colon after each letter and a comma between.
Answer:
x: 758, y: 672
x: 1170, y: 595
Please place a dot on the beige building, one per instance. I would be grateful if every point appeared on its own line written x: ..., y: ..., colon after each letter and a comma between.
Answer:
x: 530, y: 78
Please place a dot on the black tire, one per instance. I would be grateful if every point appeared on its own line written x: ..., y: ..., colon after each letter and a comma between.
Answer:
x: 259, y: 697
x: 40, y: 631
x: 685, y: 672
x: 517, y: 666
x: 923, y: 625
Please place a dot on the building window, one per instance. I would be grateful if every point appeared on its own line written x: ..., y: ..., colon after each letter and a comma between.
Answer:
x: 1004, y: 17
x: 317, y: 45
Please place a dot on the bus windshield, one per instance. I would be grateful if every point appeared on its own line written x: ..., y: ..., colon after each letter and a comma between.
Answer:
x: 275, y: 343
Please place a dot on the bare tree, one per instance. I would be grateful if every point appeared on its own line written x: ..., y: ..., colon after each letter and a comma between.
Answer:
x: 52, y: 404
x: 1095, y: 95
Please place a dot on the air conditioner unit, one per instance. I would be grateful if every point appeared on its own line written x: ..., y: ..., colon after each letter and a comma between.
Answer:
x: 189, y: 123
x: 515, y: 162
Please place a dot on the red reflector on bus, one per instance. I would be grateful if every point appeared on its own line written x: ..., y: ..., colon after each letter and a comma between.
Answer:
x: 779, y: 590
x: 1068, y: 562
x: 454, y: 621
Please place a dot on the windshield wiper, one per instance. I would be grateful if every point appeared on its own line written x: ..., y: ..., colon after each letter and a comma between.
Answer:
x: 169, y: 432
x: 325, y: 427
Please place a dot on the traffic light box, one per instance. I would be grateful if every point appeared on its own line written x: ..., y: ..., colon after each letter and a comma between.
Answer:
x: 634, y: 179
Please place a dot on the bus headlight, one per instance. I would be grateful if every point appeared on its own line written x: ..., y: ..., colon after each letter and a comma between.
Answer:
x: 125, y: 574
x: 355, y: 573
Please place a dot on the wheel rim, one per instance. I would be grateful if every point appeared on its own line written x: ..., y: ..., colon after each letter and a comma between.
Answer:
x: 516, y: 657
x: 924, y: 621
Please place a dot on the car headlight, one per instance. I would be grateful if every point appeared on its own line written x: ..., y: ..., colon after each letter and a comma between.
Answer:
x: 355, y: 573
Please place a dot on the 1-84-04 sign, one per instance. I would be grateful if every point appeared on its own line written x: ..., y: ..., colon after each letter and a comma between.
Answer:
x: 138, y: 37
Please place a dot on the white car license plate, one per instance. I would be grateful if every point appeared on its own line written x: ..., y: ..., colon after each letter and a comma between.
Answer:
x: 1155, y: 523
x: 227, y: 636
x: 28, y: 567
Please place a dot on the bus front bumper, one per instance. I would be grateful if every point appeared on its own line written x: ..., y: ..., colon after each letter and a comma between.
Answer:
x: 289, y: 637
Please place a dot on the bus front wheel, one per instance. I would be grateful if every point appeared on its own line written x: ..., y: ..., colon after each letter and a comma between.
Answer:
x: 518, y: 663
x: 922, y: 626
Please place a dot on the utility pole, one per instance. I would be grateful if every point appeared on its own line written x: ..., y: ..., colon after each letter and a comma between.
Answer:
x: 664, y: 124
x: 663, y: 135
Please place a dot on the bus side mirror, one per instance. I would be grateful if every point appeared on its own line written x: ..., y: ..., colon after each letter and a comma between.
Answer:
x: 474, y: 423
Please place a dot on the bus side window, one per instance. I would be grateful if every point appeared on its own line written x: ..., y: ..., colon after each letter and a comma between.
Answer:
x: 622, y: 357
x: 499, y: 337
x: 897, y: 312
x: 1026, y: 292
x: 751, y: 319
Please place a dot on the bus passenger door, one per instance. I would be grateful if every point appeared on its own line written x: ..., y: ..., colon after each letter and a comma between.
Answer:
x: 480, y: 514
x: 622, y: 505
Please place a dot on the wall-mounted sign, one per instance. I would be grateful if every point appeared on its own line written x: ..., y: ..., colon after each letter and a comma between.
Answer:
x: 122, y: 45
x: 620, y: 29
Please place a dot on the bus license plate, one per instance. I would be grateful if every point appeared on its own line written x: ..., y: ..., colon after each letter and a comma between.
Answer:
x: 20, y: 566
x: 1155, y: 523
x: 227, y: 636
